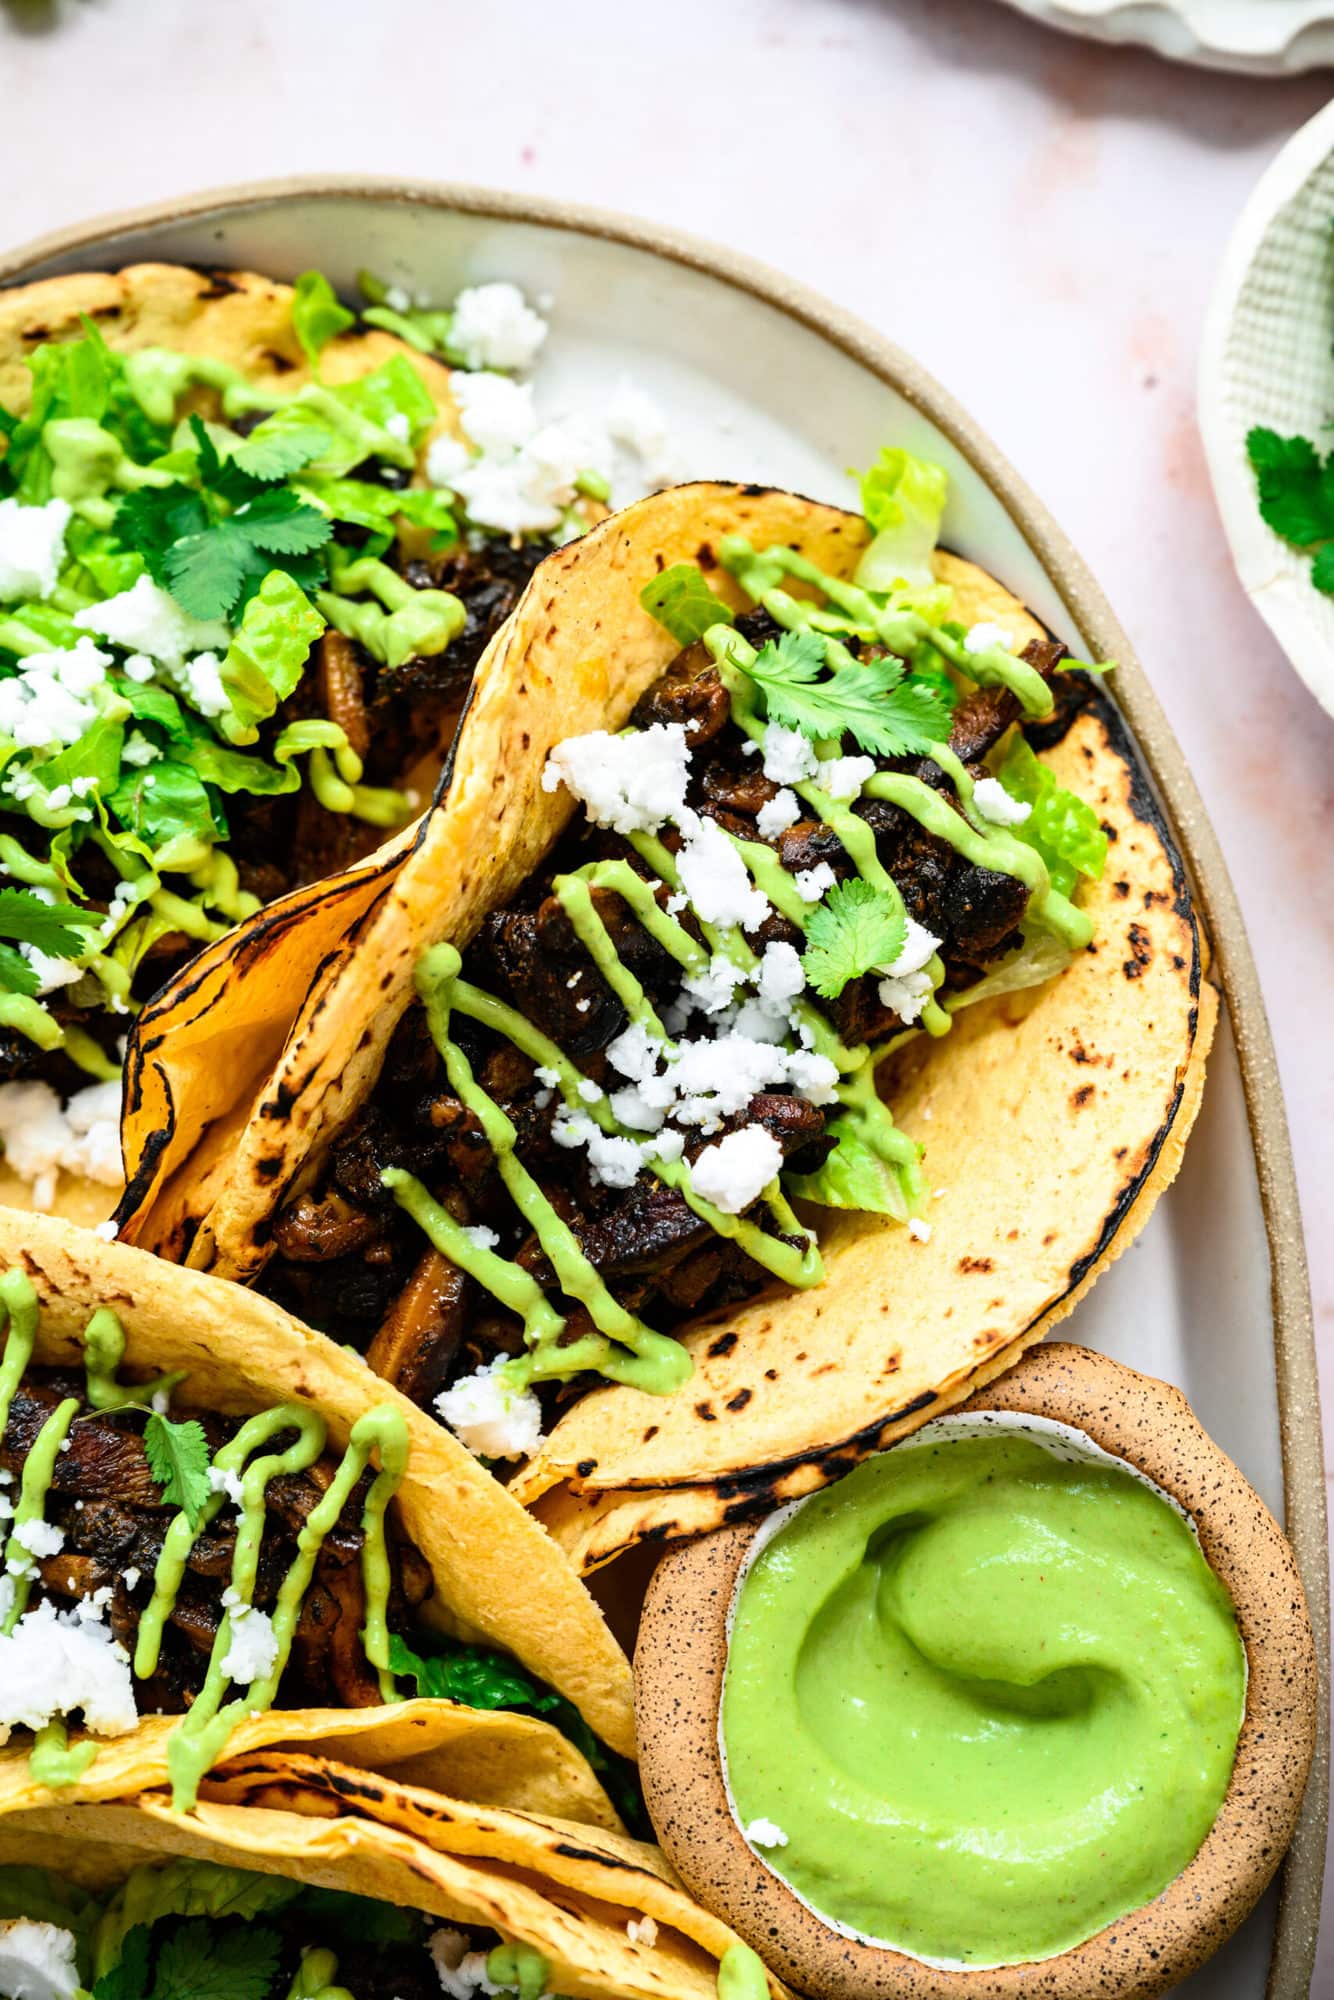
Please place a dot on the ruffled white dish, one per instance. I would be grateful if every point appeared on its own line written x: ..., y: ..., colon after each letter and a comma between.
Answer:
x: 1259, y: 37
x: 1269, y: 359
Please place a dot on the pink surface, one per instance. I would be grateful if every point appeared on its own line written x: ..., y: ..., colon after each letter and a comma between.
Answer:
x: 1038, y: 219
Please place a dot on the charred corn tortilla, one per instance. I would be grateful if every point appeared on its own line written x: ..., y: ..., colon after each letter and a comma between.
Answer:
x: 1051, y: 1119
x: 546, y: 1896
x: 496, y: 1572
x: 244, y: 320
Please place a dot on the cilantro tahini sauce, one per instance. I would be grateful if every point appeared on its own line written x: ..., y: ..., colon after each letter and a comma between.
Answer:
x: 989, y: 1689
x: 201, y: 1736
x: 621, y: 1347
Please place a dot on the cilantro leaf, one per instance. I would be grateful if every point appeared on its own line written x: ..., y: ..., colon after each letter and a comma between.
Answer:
x: 127, y: 1979
x: 153, y: 519
x: 317, y: 315
x: 201, y: 1963
x: 281, y: 524
x: 53, y: 927
x: 867, y: 699
x: 1322, y: 568
x: 16, y: 974
x: 682, y: 600
x: 855, y: 930
x: 179, y: 1459
x: 269, y: 455
x: 1296, y: 497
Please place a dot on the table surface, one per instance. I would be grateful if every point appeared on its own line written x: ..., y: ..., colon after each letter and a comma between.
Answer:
x: 1038, y: 219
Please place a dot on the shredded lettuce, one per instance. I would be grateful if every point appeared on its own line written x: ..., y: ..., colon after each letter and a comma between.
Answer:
x: 317, y: 315
x: 1063, y: 828
x: 853, y: 1175
x: 264, y: 662
x: 684, y: 602
x: 426, y: 329
x: 903, y: 499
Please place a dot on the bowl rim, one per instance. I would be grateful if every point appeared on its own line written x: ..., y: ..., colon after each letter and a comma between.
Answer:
x: 679, y: 1665
x: 1250, y: 541
x: 1091, y: 615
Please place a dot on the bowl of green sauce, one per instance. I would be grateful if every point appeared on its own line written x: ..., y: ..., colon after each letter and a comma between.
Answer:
x: 1031, y: 1695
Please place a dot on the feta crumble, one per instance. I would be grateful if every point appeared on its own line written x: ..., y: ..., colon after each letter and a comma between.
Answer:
x: 986, y: 635
x: 37, y: 1961
x: 812, y: 882
x: 446, y: 457
x: 46, y: 704
x: 843, y: 777
x: 497, y: 414
x: 40, y: 1538
x: 32, y: 546
x: 490, y: 1417
x: 716, y: 879
x: 481, y: 1237
x: 919, y: 1231
x: 994, y: 803
x: 147, y: 619
x: 462, y: 1972
x: 763, y: 1833
x: 493, y: 327
x: 917, y: 950
x: 642, y: 1930
x: 56, y: 1662
x: 221, y: 1479
x: 40, y: 1139
x: 736, y: 1170
x: 789, y: 757
x: 252, y: 1654
x: 628, y: 783
x: 777, y: 814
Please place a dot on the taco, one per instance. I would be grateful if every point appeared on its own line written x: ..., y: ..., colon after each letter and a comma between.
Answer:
x: 120, y: 1903
x: 792, y: 1003
x: 238, y: 613
x: 223, y: 1533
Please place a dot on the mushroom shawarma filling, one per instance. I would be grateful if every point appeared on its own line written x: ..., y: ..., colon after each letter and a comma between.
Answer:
x: 238, y: 618
x: 823, y: 831
x: 205, y: 1566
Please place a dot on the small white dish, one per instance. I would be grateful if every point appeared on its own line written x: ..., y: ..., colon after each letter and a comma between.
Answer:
x: 1268, y: 359
x: 1257, y: 37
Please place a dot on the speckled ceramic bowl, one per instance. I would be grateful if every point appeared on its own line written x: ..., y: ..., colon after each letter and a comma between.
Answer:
x: 679, y: 1674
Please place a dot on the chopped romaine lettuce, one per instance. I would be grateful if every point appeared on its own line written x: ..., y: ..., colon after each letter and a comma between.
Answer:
x: 903, y: 499
x: 1063, y: 828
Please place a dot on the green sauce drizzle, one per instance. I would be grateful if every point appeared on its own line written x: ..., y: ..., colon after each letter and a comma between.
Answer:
x: 315, y: 1976
x: 519, y: 1968
x: 741, y: 1975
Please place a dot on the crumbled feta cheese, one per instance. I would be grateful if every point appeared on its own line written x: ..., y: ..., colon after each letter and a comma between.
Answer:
x: 54, y: 1663
x: 491, y: 1417
x: 37, y: 1961
x: 221, y: 1479
x: 994, y: 803
x: 789, y: 757
x: 843, y: 777
x: 446, y: 457
x: 462, y: 1972
x: 920, y: 1231
x: 397, y: 298
x: 986, y: 635
x: 634, y: 1108
x: 493, y: 327
x: 160, y: 1402
x: 735, y: 1171
x: 532, y: 490
x: 140, y: 668
x: 32, y: 545
x: 812, y: 882
x: 777, y: 814
x: 712, y: 989
x: 715, y: 877
x: 139, y: 749
x: 252, y: 1654
x: 40, y: 1538
x: 906, y: 997
x: 763, y: 1833
x: 497, y: 414
x: 52, y: 973
x: 780, y: 977
x: 613, y: 1161
x: 147, y: 619
x: 108, y: 1230
x: 813, y: 1077
x: 642, y: 1930
x: 628, y: 783
x: 40, y: 1138
x: 398, y: 426
x: 201, y: 680
x: 917, y: 950
x: 45, y: 705
x: 588, y: 1090
x: 481, y: 1237
x: 131, y: 1578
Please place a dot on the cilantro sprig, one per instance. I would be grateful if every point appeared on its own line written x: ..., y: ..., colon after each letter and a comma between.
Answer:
x: 886, y: 714
x: 1296, y: 496
x: 53, y: 928
x: 212, y: 547
x: 856, y: 929
x: 179, y: 1459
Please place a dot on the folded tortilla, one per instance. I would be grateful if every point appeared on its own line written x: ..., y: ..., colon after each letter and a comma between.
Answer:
x: 1051, y: 1119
